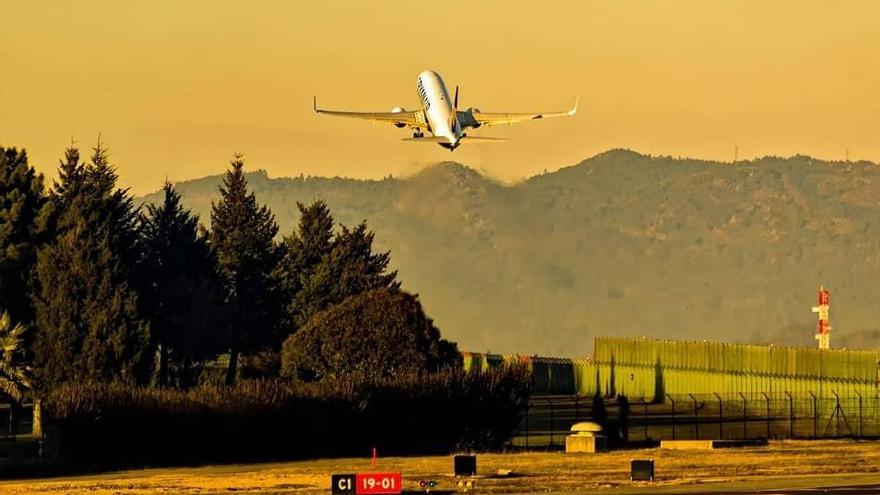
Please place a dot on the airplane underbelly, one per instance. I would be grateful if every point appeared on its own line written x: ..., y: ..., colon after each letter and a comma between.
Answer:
x: 439, y: 123
x: 436, y: 104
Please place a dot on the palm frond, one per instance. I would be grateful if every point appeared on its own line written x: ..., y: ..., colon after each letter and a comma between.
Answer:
x: 13, y: 374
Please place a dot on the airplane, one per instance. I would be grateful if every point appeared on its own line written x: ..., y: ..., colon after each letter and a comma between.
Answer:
x: 441, y: 117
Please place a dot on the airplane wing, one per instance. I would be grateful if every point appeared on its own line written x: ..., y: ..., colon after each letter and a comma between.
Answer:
x: 475, y: 118
x: 402, y: 118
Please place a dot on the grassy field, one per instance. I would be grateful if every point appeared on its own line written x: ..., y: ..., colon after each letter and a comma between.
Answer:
x: 784, y: 463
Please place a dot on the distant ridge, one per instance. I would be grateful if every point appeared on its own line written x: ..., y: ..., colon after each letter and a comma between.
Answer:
x: 619, y: 244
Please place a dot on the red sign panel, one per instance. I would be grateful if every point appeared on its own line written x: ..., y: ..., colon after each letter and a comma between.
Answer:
x: 378, y: 483
x: 824, y: 297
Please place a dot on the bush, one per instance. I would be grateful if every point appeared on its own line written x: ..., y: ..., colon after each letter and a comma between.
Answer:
x: 115, y: 426
x: 372, y: 335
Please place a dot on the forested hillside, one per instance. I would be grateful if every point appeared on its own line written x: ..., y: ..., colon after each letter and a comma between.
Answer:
x: 619, y: 244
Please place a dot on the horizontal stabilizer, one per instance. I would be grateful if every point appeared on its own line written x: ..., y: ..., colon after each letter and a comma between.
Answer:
x: 465, y: 139
x: 482, y: 139
x: 428, y: 139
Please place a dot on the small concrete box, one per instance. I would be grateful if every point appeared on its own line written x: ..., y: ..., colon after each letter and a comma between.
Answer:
x: 585, y: 437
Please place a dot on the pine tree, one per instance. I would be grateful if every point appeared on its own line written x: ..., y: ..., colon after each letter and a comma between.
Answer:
x: 181, y: 288
x: 320, y: 269
x: 242, y: 235
x: 303, y: 251
x: 87, y: 307
x: 356, y: 268
x: 22, y: 198
x: 112, y: 205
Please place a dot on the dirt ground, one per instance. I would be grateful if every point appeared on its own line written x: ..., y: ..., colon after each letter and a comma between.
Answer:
x: 772, y: 465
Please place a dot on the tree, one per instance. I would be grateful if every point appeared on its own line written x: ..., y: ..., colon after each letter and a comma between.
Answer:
x: 302, y: 252
x: 22, y: 197
x: 242, y: 235
x: 181, y: 288
x: 320, y: 269
x: 86, y: 302
x: 14, y: 378
x: 355, y: 267
x: 370, y: 335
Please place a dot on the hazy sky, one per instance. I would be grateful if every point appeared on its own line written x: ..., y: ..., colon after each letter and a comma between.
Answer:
x: 175, y: 87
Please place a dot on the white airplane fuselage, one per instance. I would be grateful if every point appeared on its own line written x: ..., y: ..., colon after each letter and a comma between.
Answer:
x: 439, y: 109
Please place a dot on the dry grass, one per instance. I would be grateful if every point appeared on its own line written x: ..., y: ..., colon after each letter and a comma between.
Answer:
x: 532, y: 471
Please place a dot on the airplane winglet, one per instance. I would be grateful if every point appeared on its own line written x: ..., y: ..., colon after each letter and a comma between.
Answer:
x: 574, y: 109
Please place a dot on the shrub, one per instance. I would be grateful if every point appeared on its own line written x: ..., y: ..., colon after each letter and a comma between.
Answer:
x: 371, y: 335
x: 113, y: 426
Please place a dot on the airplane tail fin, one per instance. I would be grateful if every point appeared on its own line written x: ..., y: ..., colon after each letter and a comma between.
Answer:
x: 453, y: 117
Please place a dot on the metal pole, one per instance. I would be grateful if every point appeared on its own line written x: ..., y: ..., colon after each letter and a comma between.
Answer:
x: 837, y: 414
x: 673, y: 414
x: 860, y: 414
x: 528, y: 406
x: 646, y: 419
x: 815, y: 416
x: 790, y: 415
x: 577, y: 402
x: 720, y: 417
x: 745, y: 416
x: 767, y: 400
x: 696, y: 418
x: 551, y: 420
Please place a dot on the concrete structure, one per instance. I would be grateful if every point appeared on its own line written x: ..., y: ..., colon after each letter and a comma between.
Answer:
x: 585, y: 437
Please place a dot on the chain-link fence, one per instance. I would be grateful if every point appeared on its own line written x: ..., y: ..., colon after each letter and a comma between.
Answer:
x: 687, y: 417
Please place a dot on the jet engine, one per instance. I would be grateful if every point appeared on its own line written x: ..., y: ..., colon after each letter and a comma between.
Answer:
x: 398, y: 110
x: 471, y: 111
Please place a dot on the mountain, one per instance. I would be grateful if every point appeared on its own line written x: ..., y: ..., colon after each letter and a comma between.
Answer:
x: 619, y: 244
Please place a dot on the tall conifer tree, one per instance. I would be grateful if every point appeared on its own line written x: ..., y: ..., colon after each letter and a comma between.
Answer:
x: 181, y: 288
x: 303, y: 251
x: 88, y: 314
x: 22, y: 198
x: 242, y: 235
x: 320, y: 269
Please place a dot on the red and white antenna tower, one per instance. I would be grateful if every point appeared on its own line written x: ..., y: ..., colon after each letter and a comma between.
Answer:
x: 823, y: 334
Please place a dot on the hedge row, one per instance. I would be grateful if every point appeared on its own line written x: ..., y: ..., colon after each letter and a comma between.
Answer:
x: 112, y: 426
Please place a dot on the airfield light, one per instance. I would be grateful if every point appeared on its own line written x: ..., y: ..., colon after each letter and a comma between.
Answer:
x: 465, y: 485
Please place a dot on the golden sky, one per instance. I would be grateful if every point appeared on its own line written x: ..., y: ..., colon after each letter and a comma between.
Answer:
x: 176, y: 87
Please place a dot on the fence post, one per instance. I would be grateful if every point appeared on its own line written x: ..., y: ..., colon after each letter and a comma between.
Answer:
x: 790, y: 415
x: 645, y: 419
x: 528, y: 406
x: 673, y: 414
x: 577, y: 409
x: 815, y: 416
x: 836, y: 414
x: 696, y: 418
x: 745, y: 416
x: 860, y: 415
x: 720, y: 417
x: 551, y: 420
x: 767, y: 400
